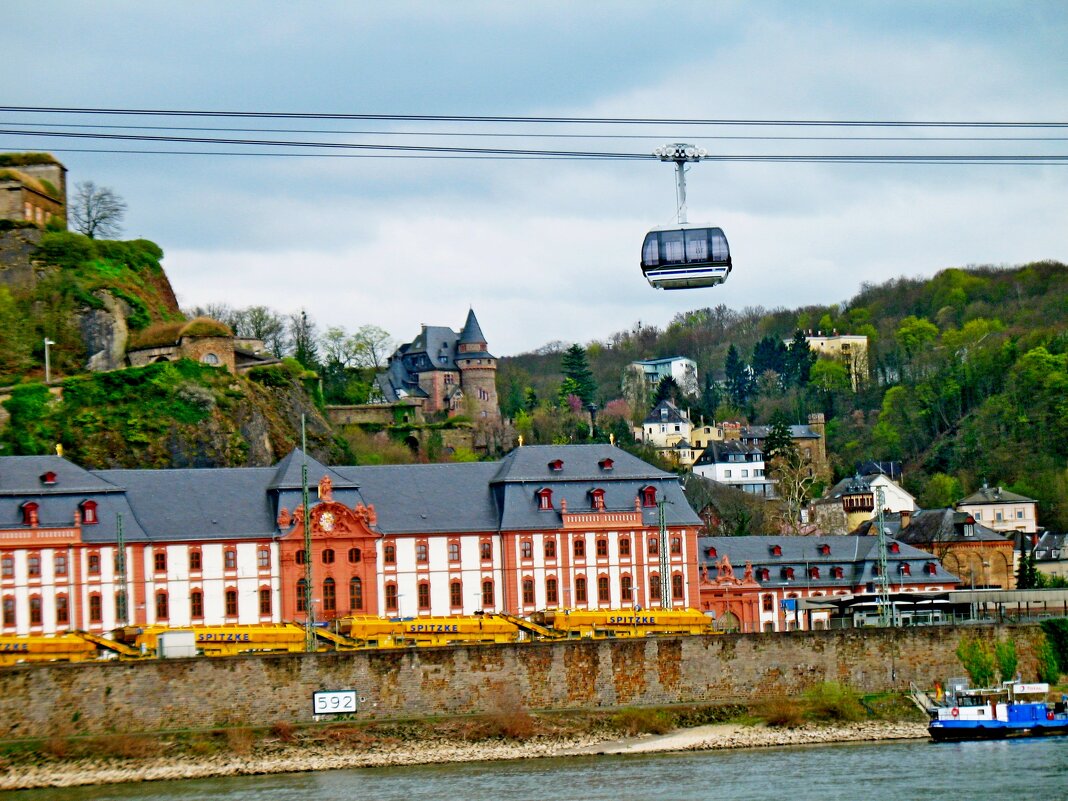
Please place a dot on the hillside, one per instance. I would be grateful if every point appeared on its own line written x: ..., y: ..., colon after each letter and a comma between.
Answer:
x: 968, y: 377
x: 180, y: 414
x: 86, y: 295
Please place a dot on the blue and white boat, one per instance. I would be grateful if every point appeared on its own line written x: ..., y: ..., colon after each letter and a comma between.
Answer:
x: 1014, y: 709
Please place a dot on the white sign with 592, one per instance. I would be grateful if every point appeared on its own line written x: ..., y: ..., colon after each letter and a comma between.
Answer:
x: 333, y: 702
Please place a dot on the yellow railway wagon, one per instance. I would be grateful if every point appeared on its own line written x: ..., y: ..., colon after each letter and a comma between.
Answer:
x: 625, y: 622
x: 222, y: 640
x: 68, y: 647
x: 427, y: 631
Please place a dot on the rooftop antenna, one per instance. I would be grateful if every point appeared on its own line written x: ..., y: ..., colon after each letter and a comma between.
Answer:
x: 681, y: 154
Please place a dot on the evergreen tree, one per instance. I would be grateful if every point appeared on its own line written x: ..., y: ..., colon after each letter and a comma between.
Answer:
x: 779, y: 441
x: 711, y: 398
x: 577, y: 369
x: 769, y: 354
x: 304, y: 337
x: 668, y: 389
x: 739, y: 377
x: 798, y: 360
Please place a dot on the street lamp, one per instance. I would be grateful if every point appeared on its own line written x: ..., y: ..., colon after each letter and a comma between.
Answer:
x: 48, y: 364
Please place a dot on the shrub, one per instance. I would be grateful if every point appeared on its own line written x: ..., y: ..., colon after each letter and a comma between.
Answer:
x: 283, y: 731
x: 781, y: 712
x: 239, y: 741
x: 1005, y: 654
x: 1048, y: 669
x: 1056, y: 632
x: 978, y: 660
x: 642, y: 721
x: 831, y: 701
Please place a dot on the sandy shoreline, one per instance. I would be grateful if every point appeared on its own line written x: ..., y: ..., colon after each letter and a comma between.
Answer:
x: 285, y: 759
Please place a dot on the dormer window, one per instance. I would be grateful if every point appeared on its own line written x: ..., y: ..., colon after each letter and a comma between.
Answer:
x: 895, y: 547
x: 545, y: 498
x: 930, y: 568
x: 606, y: 464
x: 788, y: 573
x: 776, y: 550
x: 556, y: 465
x: 764, y: 574
x: 825, y: 550
x: 875, y: 571
x: 597, y: 499
x: 813, y: 572
x: 29, y: 513
x: 711, y: 553
x: 89, y: 515
x: 48, y: 478
x: 905, y: 569
x: 648, y: 496
x: 837, y: 572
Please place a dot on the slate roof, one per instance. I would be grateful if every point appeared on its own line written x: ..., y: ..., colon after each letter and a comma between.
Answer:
x: 850, y: 486
x: 857, y: 556
x: 946, y: 525
x: 1051, y: 548
x: 472, y: 332
x: 236, y: 503
x: 994, y: 495
x: 665, y: 412
x: 796, y: 432
x: 718, y: 452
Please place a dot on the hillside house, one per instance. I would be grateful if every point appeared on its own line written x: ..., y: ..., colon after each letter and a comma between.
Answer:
x: 33, y: 188
x: 1001, y: 510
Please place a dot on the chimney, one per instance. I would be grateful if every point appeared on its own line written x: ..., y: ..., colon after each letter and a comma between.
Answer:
x: 906, y: 518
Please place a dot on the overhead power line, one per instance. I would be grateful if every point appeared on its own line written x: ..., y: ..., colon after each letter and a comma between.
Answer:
x: 535, y: 119
x: 396, y: 150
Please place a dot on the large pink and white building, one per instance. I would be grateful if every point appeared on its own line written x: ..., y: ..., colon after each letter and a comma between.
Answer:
x: 546, y: 526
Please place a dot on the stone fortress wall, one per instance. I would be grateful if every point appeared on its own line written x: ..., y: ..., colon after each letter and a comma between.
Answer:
x: 261, y: 690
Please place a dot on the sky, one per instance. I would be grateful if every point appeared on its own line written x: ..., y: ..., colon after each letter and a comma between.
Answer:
x: 548, y: 250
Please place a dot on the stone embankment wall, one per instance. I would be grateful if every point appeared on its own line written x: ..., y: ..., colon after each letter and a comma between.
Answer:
x: 43, y: 700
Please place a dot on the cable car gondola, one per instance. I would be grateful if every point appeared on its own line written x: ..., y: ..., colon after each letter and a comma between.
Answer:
x: 684, y: 256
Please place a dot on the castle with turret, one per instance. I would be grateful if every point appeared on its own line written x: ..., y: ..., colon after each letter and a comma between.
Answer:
x: 444, y: 371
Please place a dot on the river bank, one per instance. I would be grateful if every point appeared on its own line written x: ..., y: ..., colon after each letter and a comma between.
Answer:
x: 281, y: 757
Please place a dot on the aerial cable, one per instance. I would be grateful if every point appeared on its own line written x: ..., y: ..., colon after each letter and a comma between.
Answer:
x: 538, y: 119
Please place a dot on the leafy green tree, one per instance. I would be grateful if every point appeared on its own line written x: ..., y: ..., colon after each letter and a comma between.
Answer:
x: 576, y: 369
x: 978, y: 660
x: 830, y: 380
x: 915, y: 336
x: 1005, y: 654
x: 940, y: 491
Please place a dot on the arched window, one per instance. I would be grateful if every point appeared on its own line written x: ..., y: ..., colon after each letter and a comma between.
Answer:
x: 626, y: 589
x: 196, y: 604
x: 580, y: 549
x: 329, y: 595
x: 265, y: 601
x: 544, y: 498
x: 35, y: 610
x: 9, y: 611
x: 391, y: 597
x: 89, y: 515
x: 423, y: 594
x: 551, y: 591
x: 196, y: 560
x: 354, y: 556
x: 29, y: 513
x: 624, y: 546
x: 813, y: 572
x: 263, y: 559
x: 603, y: 593
x: 456, y: 594
x: 580, y: 590
x: 7, y: 566
x: 550, y: 549
x: 654, y: 587
x: 302, y: 596
x: 210, y: 358
x: 162, y: 606
x: 96, y: 608
x: 767, y: 603
x: 356, y: 594
x: 597, y: 499
x: 602, y: 548
x: 485, y: 551
x: 389, y: 554
x: 676, y: 545
x: 677, y: 587
x: 422, y: 552
x: 526, y: 549
x: 648, y: 495
x: 159, y: 561
x: 654, y: 546
x: 62, y: 610
x: 487, y: 592
x: 328, y: 556
x: 528, y: 592
x: 33, y: 565
x: 60, y: 564
x: 231, y: 603
x: 454, y: 550
x: 230, y: 559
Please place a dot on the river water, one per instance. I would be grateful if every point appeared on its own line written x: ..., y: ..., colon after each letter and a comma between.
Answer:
x: 1014, y: 770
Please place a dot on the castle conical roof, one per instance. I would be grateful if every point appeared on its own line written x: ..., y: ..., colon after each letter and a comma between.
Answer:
x: 472, y: 333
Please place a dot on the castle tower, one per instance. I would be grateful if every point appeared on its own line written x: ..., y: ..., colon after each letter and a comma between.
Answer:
x: 478, y: 369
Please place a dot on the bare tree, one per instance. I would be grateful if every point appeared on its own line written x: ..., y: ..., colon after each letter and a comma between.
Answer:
x: 371, y: 345
x: 97, y: 211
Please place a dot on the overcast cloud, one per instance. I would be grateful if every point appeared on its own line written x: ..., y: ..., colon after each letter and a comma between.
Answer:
x: 548, y: 250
